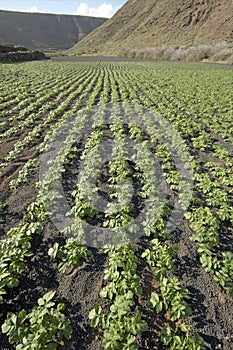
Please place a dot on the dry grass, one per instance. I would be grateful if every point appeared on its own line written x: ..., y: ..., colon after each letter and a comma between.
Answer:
x: 220, y: 52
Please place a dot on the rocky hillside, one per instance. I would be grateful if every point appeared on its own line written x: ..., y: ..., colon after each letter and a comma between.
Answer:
x: 19, y: 54
x: 46, y: 32
x: 159, y: 22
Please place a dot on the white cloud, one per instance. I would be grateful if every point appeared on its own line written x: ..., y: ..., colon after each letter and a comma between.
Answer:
x: 103, y: 10
x: 32, y: 9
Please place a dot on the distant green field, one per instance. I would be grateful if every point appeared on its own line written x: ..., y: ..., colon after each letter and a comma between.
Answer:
x: 163, y: 276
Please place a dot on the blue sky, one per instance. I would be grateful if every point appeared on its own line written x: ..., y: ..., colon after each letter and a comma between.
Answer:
x: 98, y: 8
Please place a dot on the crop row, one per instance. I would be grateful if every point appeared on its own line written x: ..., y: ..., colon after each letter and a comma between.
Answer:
x: 135, y: 146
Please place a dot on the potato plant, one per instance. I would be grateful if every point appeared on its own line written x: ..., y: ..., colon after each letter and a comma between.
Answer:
x: 42, y: 101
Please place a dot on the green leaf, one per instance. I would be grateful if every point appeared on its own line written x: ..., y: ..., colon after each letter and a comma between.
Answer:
x: 94, y: 312
x: 184, y: 328
x: 51, y: 346
x: 6, y: 327
x: 41, y: 302
x: 177, y: 340
x: 103, y: 293
x: 67, y: 330
x: 22, y: 316
x: 154, y: 300
x: 159, y: 307
x: 49, y: 296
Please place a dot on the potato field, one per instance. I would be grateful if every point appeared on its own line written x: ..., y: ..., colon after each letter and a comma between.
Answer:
x: 116, y: 216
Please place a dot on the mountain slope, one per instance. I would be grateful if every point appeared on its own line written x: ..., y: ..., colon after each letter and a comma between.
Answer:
x: 44, y: 31
x: 158, y: 22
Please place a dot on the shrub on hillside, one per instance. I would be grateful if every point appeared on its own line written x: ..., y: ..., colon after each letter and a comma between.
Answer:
x: 218, y: 52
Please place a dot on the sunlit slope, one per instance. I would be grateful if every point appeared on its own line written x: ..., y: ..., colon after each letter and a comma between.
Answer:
x: 156, y: 22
